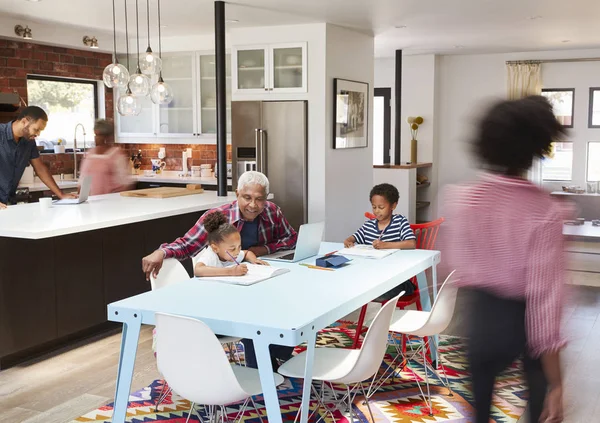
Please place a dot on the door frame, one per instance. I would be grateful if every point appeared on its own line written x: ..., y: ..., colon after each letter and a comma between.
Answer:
x: 386, y: 93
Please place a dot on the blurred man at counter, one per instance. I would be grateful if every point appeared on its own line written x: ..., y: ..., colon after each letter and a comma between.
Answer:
x: 18, y: 150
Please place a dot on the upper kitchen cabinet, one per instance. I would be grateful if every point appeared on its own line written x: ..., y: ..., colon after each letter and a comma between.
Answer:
x: 192, y: 115
x: 273, y: 68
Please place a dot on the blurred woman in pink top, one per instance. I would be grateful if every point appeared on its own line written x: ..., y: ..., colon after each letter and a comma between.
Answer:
x: 503, y: 235
x: 106, y: 163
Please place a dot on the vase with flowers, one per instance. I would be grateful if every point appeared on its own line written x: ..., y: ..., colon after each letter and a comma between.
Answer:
x: 414, y: 123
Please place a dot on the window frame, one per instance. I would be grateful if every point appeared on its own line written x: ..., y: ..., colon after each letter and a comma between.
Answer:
x: 91, y: 82
x: 386, y: 94
x: 572, y: 90
x: 587, y: 161
x: 591, y: 108
x: 572, y: 165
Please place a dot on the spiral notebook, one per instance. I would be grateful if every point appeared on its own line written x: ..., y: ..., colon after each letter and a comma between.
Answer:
x: 256, y: 273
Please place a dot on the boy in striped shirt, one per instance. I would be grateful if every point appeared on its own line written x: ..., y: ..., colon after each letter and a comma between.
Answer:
x: 386, y: 231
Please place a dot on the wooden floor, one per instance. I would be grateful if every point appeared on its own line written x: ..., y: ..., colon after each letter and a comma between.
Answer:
x: 74, y: 381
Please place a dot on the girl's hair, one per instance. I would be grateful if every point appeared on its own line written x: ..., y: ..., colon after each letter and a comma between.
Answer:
x: 514, y: 132
x: 217, y: 226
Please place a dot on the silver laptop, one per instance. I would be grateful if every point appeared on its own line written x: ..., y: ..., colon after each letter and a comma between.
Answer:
x: 310, y: 236
x: 84, y: 192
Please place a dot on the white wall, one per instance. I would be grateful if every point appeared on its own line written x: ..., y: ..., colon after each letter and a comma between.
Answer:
x: 469, y: 82
x: 349, y: 172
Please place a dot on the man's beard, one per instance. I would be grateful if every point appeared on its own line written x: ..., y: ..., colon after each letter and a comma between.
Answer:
x: 26, y: 133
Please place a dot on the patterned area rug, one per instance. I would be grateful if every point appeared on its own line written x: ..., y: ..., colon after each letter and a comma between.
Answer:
x: 398, y: 400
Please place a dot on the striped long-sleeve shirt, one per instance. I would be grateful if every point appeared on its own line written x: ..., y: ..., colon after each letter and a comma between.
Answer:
x: 274, y: 232
x: 398, y: 230
x: 504, y: 235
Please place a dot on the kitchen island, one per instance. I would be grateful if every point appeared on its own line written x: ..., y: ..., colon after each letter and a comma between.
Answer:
x: 61, y: 266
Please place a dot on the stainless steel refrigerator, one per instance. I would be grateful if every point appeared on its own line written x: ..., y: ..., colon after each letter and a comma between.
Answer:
x: 271, y: 137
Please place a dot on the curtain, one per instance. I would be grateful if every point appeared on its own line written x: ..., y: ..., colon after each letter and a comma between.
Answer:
x: 524, y: 79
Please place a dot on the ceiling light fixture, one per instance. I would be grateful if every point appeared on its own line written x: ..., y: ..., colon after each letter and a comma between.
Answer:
x: 151, y: 64
x: 161, y: 92
x: 24, y: 32
x: 565, y: 41
x: 90, y: 42
x: 128, y: 105
x: 115, y: 75
x: 535, y: 17
x: 400, y: 26
x: 138, y: 82
x: 459, y: 46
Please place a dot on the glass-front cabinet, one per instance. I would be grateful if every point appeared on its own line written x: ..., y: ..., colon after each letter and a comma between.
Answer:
x: 192, y: 115
x: 270, y: 68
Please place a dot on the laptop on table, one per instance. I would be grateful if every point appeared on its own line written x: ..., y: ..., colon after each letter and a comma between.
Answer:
x: 309, y: 240
x: 84, y: 192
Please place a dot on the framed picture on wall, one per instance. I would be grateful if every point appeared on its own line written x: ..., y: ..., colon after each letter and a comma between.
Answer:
x: 350, y: 114
x: 594, y: 113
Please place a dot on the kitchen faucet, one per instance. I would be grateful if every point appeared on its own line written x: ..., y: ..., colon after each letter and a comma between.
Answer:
x: 75, y: 147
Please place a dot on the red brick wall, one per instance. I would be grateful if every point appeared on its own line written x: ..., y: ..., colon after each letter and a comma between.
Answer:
x: 201, y: 154
x: 19, y: 59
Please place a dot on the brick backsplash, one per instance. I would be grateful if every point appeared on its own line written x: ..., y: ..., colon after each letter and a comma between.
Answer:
x: 201, y: 154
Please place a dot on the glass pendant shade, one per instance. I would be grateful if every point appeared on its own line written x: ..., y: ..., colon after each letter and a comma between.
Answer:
x: 161, y: 93
x: 150, y: 63
x: 139, y: 84
x: 129, y: 105
x: 115, y: 75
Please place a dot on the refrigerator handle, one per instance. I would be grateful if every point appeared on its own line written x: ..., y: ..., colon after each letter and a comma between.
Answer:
x: 263, y: 151
x: 257, y: 146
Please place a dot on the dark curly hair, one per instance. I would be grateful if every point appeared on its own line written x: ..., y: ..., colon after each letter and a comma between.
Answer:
x: 512, y: 133
x: 387, y: 191
x: 217, y: 226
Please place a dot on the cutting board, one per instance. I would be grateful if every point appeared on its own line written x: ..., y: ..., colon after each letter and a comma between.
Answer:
x: 162, y: 192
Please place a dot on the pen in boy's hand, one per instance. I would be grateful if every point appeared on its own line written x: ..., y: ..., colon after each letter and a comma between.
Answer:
x: 232, y: 258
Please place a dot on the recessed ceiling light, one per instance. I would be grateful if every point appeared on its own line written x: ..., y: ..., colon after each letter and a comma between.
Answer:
x: 565, y: 41
x: 459, y: 46
x: 231, y: 21
x: 535, y: 17
x: 34, y: 1
x: 400, y: 26
x: 164, y: 26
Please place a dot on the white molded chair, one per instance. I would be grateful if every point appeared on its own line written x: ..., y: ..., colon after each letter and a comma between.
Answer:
x: 199, y: 370
x: 427, y: 324
x: 172, y: 271
x: 348, y: 366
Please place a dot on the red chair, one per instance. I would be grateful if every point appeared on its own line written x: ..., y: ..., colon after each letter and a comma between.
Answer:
x: 426, y: 234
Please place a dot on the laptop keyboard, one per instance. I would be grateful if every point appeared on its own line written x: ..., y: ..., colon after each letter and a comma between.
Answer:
x: 287, y: 257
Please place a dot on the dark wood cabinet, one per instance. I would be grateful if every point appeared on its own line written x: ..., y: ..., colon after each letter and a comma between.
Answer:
x: 56, y: 290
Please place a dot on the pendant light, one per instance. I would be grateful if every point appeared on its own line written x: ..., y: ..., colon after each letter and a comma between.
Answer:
x: 150, y: 63
x: 138, y: 82
x: 115, y: 75
x: 161, y: 93
x: 128, y: 105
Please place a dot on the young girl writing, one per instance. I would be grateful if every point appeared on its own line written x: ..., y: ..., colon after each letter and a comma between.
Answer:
x: 224, y: 254
x: 386, y: 231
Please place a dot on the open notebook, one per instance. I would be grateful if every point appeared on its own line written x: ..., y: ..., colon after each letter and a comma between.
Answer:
x: 366, y: 251
x: 256, y: 273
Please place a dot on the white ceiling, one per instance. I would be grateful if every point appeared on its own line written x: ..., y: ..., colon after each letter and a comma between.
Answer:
x: 432, y: 26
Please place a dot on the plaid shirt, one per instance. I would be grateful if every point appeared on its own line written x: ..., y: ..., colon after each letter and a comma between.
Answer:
x: 504, y: 235
x: 274, y: 232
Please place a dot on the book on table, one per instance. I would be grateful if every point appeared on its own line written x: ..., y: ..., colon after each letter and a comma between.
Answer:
x: 256, y: 273
x: 366, y: 251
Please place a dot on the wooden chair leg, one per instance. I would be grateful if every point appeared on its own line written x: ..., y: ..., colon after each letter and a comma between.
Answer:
x: 359, y: 326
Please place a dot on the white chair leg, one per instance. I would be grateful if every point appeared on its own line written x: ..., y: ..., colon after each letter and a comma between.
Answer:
x: 190, y: 413
x: 428, y: 400
x: 367, y: 402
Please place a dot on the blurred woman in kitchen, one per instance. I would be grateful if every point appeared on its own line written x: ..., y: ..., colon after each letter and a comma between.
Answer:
x: 107, y: 164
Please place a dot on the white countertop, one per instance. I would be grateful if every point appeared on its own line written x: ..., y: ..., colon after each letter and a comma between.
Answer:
x: 586, y: 230
x: 583, y: 194
x: 30, y: 221
x: 40, y: 186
